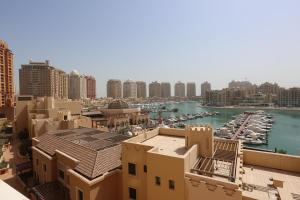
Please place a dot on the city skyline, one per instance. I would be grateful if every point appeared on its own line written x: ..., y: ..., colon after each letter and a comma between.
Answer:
x: 214, y: 41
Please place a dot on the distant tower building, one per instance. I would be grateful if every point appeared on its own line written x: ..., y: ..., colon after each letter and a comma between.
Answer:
x: 90, y: 87
x: 83, y: 87
x: 77, y: 86
x: 190, y: 90
x: 155, y: 89
x: 179, y: 89
x: 74, y: 85
x: 7, y: 92
x: 165, y: 90
x: 141, y: 89
x: 114, y: 88
x: 205, y: 87
x: 129, y: 89
x: 41, y: 79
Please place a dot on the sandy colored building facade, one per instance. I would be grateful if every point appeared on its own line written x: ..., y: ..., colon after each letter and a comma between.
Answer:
x: 114, y: 88
x: 77, y: 164
x: 191, y: 90
x: 165, y: 90
x: 205, y: 87
x: 129, y: 89
x: 141, y: 89
x: 39, y: 115
x: 191, y: 164
x: 179, y: 89
x: 41, y: 79
x: 155, y: 89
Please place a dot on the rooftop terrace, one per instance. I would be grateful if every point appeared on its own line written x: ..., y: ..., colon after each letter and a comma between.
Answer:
x: 167, y: 145
x: 258, y: 183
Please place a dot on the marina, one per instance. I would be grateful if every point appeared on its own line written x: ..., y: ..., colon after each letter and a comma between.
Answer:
x: 284, y: 133
x: 250, y: 127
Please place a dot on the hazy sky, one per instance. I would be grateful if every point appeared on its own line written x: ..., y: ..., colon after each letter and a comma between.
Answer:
x: 163, y: 40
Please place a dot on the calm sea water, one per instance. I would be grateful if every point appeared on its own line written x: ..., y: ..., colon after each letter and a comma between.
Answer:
x: 285, y: 133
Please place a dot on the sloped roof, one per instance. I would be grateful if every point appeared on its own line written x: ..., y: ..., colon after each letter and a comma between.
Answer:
x: 96, y: 151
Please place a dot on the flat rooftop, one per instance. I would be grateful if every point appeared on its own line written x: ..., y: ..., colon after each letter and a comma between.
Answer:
x: 168, y: 145
x: 257, y: 183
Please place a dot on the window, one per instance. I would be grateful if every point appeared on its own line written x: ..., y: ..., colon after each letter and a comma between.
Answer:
x: 157, y: 180
x: 79, y: 194
x: 171, y: 184
x: 37, y: 161
x: 65, y: 117
x: 61, y: 174
x: 145, y: 168
x: 132, y: 193
x: 131, y: 168
x: 45, y: 167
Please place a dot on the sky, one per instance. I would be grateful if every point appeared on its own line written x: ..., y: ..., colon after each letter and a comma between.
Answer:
x: 158, y: 40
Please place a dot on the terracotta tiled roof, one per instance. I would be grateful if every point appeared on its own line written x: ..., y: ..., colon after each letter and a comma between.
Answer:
x: 96, y: 151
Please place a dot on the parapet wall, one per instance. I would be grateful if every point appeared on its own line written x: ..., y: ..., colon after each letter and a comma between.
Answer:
x: 209, y: 188
x: 172, y: 132
x: 272, y: 160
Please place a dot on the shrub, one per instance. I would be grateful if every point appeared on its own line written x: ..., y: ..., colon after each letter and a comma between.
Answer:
x: 24, y: 134
x: 25, y: 147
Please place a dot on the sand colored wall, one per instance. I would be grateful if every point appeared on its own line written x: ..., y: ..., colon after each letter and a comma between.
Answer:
x: 201, y: 187
x: 136, y: 154
x: 203, y: 137
x: 190, y: 158
x: 167, y: 168
x: 47, y: 175
x: 73, y: 106
x: 21, y: 116
x: 108, y: 187
x: 172, y: 132
x: 272, y: 160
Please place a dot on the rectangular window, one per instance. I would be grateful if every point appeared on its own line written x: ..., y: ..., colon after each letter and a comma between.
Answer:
x: 79, y: 194
x: 157, y: 180
x: 131, y: 168
x: 171, y: 184
x: 45, y: 168
x: 61, y: 174
x: 145, y: 168
x: 132, y: 193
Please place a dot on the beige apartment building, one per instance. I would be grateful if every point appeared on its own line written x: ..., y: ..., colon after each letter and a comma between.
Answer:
x: 191, y: 164
x: 114, y: 88
x: 191, y: 90
x: 141, y: 88
x: 7, y: 93
x: 90, y: 87
x: 268, y: 88
x: 129, y: 89
x: 77, y: 164
x: 205, y: 87
x: 179, y: 89
x: 42, y: 114
x: 289, y: 97
x: 41, y: 79
x: 77, y: 86
x: 165, y: 90
x: 155, y: 89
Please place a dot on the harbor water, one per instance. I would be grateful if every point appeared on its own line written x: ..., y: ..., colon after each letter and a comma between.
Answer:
x: 285, y: 133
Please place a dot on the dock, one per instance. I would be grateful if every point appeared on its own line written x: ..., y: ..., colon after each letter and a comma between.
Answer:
x: 242, y: 127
